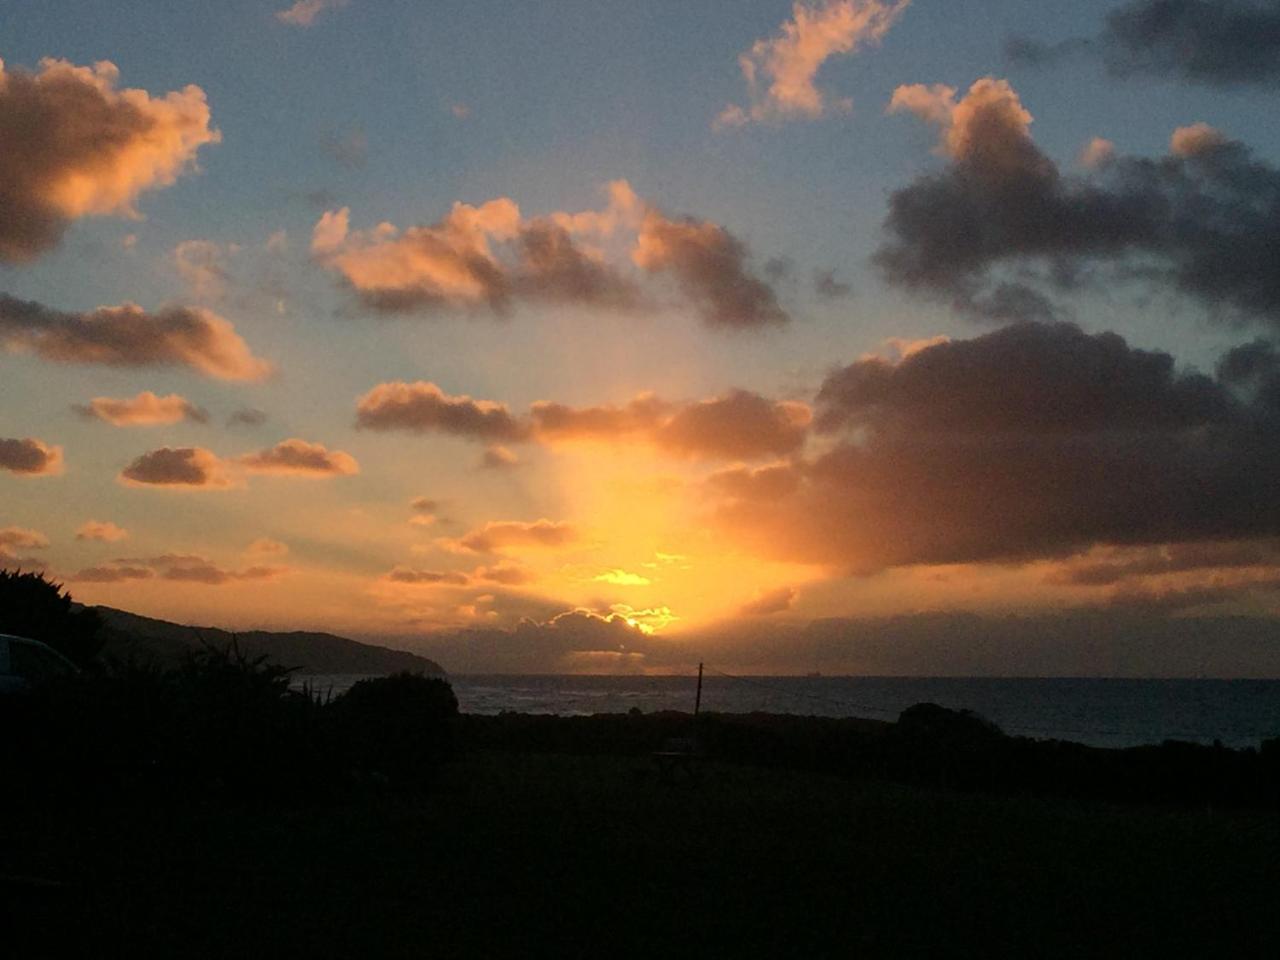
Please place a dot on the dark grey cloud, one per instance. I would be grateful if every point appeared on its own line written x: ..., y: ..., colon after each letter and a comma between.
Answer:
x: 29, y: 457
x: 1221, y: 43
x: 712, y: 268
x: 1001, y: 228
x: 189, y: 467
x: 247, y: 417
x: 1034, y: 441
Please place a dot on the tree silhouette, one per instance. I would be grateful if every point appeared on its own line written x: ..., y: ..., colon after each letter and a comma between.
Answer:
x: 32, y: 606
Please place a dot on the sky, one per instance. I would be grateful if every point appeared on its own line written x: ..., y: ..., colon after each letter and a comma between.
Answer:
x: 594, y: 336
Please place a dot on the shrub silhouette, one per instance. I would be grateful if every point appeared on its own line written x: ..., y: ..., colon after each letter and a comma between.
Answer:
x: 399, y: 728
x: 32, y: 606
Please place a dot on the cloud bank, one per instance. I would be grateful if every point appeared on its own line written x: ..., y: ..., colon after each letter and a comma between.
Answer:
x: 1037, y: 440
x: 1000, y: 229
x: 1219, y: 43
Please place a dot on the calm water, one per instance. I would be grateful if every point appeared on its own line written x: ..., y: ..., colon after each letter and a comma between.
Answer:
x: 1110, y: 713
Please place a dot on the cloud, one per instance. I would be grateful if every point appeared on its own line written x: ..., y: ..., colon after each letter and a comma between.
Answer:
x: 21, y: 538
x: 827, y: 287
x: 1106, y: 566
x: 489, y: 258
x: 177, y: 468
x: 349, y: 150
x: 738, y: 425
x: 770, y: 482
x: 29, y: 457
x: 498, y: 458
x: 780, y: 71
x: 427, y: 577
x: 423, y: 407
x: 618, y: 577
x: 1037, y: 440
x: 304, y: 12
x: 266, y: 547
x: 1001, y: 224
x: 498, y: 535
x: 769, y: 602
x: 128, y: 336
x: 146, y: 409
x: 204, y: 266
x: 77, y: 146
x: 183, y: 568
x: 474, y: 258
x: 710, y: 267
x: 505, y: 574
x: 1219, y: 43
x: 247, y: 417
x: 101, y: 530
x: 425, y: 511
x: 298, y: 458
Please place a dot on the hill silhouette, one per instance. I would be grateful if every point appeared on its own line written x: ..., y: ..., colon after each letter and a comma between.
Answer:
x: 145, y: 638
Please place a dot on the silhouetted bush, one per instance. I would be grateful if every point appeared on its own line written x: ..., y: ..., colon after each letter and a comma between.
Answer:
x: 34, y: 607
x: 399, y: 728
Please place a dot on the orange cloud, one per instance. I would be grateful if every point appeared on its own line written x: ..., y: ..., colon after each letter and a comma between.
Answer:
x: 988, y: 126
x: 427, y: 577
x: 184, y: 568
x: 77, y: 146
x: 266, y: 547
x: 102, y: 530
x: 203, y: 264
x: 1196, y: 139
x: 146, y: 409
x: 304, y: 12
x: 177, y: 468
x: 22, y: 538
x: 738, y: 425
x: 710, y: 267
x: 423, y: 407
x: 29, y: 457
x: 498, y: 458
x: 501, y: 534
x: 128, y: 336
x: 298, y: 458
x: 490, y: 257
x: 781, y: 70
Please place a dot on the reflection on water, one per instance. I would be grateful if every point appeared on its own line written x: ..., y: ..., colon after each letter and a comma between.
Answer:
x: 1112, y: 713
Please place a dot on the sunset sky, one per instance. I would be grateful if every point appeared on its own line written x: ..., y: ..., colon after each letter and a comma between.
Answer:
x: 567, y: 336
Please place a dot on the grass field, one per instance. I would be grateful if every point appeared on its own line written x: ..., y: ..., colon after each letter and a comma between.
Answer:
x: 545, y: 855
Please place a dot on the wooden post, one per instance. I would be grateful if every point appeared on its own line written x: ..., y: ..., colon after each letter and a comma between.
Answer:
x: 697, y: 703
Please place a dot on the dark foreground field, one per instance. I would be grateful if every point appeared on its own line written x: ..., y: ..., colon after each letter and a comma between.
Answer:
x: 589, y: 856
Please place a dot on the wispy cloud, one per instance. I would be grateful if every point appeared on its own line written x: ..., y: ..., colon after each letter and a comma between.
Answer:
x: 304, y: 12
x: 781, y: 71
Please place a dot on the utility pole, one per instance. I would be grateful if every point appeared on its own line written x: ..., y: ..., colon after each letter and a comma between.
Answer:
x: 697, y: 703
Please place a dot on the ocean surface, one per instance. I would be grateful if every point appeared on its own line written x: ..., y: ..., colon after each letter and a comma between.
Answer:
x: 1106, y: 713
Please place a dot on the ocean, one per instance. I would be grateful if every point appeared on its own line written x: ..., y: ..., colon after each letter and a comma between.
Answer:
x: 1099, y: 712
x: 1096, y: 712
